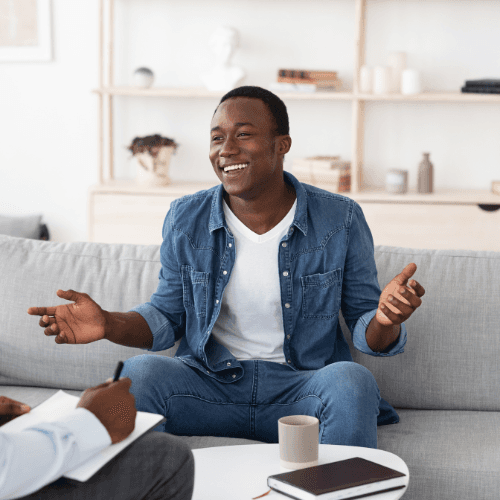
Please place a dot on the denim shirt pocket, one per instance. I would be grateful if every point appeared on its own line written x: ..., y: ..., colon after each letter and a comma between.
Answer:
x: 195, y: 290
x: 321, y: 294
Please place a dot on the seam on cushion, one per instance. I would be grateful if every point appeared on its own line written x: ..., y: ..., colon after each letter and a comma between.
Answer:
x: 443, y: 255
x: 96, y: 257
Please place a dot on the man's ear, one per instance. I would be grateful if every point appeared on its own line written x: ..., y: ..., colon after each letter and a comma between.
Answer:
x: 284, y: 144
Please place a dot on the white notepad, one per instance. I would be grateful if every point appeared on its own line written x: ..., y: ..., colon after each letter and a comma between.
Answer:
x: 60, y: 404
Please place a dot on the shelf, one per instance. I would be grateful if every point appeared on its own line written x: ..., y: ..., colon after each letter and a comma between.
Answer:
x: 126, y: 186
x: 198, y: 92
x: 201, y: 92
x: 440, y: 196
x: 432, y: 96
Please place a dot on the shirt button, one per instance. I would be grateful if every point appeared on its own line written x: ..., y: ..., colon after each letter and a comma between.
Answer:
x: 288, y: 336
x: 234, y: 376
x: 209, y: 372
x: 287, y: 305
x: 224, y: 272
x: 291, y: 229
x: 216, y: 301
x: 285, y: 273
x: 289, y: 361
x: 283, y: 244
x: 229, y: 364
x: 230, y: 245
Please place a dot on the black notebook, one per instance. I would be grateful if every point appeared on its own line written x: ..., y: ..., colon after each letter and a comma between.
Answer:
x: 352, y: 478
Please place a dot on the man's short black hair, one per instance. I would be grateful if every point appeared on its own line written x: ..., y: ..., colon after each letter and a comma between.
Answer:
x: 275, y: 105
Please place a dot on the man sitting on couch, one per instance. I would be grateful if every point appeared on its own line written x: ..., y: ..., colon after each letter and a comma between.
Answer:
x: 253, y: 274
x: 156, y: 465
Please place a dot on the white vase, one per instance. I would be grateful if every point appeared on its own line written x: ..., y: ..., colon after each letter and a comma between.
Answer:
x: 381, y: 80
x: 397, y: 64
x: 365, y: 80
x: 410, y: 82
x: 153, y: 171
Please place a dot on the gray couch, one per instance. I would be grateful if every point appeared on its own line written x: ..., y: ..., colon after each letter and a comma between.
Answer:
x: 444, y: 386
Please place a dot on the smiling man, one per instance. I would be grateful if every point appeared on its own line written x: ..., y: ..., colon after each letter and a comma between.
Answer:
x: 253, y: 274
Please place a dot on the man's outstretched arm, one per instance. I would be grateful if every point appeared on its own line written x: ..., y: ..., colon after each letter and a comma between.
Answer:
x: 129, y: 329
x: 85, y: 321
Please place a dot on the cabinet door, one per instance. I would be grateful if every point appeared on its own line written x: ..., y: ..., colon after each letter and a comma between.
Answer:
x: 460, y: 227
x: 128, y: 218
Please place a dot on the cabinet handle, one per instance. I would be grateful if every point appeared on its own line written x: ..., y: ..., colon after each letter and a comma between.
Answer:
x: 489, y: 207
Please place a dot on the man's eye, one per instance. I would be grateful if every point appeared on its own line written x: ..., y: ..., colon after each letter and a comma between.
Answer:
x: 215, y: 138
x: 244, y: 133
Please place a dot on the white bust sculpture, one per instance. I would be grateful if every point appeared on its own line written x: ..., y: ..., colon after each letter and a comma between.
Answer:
x: 223, y: 75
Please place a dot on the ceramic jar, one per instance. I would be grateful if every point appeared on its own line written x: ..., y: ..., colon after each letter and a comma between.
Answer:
x: 396, y: 181
x: 425, y: 175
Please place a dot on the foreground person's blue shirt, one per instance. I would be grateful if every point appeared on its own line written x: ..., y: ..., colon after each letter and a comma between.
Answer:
x: 328, y: 256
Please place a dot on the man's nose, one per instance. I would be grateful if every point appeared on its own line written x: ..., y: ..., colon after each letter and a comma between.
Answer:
x: 229, y: 147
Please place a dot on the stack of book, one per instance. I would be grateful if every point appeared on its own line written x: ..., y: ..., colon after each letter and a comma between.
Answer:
x: 329, y: 172
x: 301, y: 80
x: 485, y: 86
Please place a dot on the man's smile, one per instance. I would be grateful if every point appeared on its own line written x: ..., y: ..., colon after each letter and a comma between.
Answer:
x: 234, y: 167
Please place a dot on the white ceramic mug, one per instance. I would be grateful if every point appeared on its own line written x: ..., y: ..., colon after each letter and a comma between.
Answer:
x: 298, y: 441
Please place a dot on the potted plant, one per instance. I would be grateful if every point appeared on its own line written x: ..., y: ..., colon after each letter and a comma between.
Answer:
x: 153, y: 154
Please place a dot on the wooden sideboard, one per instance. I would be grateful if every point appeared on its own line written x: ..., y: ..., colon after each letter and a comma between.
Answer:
x: 123, y: 212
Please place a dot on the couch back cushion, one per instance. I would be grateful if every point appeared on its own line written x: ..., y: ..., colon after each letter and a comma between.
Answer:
x: 117, y: 277
x: 451, y: 359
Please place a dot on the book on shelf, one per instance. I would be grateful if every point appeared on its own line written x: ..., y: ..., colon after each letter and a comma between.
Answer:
x: 485, y: 82
x: 302, y: 87
x: 322, y: 80
x: 481, y: 90
x: 352, y: 478
x: 327, y: 172
x: 305, y: 75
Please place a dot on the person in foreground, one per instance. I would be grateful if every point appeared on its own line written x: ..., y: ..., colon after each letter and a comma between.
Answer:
x: 156, y: 466
x: 253, y: 274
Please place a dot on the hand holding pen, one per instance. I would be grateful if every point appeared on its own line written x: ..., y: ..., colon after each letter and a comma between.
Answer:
x: 113, y: 404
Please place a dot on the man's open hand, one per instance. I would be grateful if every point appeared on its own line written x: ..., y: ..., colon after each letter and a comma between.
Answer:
x: 10, y: 409
x: 79, y: 323
x: 398, y: 301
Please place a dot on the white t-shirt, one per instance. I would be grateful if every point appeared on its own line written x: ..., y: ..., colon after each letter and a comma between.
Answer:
x: 250, y: 323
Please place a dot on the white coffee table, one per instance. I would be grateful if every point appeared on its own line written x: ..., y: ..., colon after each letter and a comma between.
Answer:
x: 240, y: 472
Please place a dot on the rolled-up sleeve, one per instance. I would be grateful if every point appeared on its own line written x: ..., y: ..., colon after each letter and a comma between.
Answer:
x: 359, y: 337
x: 165, y: 312
x: 360, y: 288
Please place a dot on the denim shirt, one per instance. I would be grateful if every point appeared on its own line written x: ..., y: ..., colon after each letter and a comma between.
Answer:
x: 326, y: 263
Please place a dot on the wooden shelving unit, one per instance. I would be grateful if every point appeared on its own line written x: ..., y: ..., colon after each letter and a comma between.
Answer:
x: 359, y: 191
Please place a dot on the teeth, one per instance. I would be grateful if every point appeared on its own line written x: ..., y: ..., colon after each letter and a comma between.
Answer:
x: 234, y: 167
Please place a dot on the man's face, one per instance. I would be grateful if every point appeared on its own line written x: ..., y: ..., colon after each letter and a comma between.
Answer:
x: 242, y: 133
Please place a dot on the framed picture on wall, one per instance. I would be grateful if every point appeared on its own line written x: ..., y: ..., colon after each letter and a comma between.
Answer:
x: 25, y: 30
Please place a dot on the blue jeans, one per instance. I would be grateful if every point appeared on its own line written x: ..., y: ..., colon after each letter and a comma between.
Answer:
x: 343, y: 396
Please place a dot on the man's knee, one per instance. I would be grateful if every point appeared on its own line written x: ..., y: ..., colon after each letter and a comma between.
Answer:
x: 350, y: 378
x: 142, y: 368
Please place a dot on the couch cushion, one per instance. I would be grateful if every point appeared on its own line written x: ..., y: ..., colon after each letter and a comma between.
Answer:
x: 27, y: 226
x: 117, y: 277
x: 453, y: 347
x: 450, y: 454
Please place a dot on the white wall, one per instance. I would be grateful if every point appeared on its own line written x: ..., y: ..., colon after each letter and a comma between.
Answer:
x: 48, y: 126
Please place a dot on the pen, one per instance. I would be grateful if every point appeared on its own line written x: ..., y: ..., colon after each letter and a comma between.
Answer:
x: 118, y: 371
